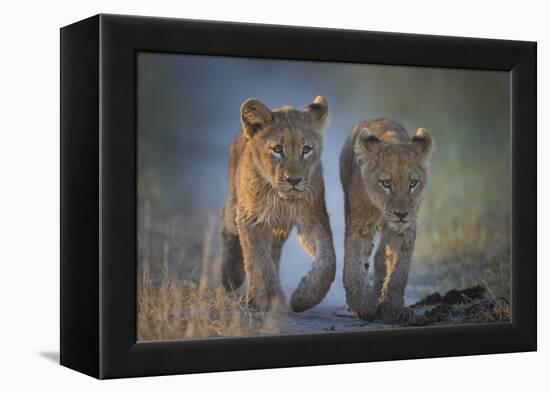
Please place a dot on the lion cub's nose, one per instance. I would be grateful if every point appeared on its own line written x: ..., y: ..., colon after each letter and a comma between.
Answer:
x: 294, y: 181
x: 400, y: 215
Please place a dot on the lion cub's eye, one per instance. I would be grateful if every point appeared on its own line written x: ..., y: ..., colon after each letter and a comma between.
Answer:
x: 386, y: 184
x: 306, y: 150
x: 413, y: 184
x: 278, y: 149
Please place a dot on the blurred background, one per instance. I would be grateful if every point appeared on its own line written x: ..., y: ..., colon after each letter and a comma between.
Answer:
x: 188, y: 113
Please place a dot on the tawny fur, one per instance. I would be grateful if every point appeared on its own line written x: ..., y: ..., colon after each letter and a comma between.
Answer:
x: 378, y: 154
x: 262, y: 206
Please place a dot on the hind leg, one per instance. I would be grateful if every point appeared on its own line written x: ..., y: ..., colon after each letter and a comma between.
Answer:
x: 232, y: 265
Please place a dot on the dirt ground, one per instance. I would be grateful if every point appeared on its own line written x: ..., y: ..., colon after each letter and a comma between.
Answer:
x: 470, y: 305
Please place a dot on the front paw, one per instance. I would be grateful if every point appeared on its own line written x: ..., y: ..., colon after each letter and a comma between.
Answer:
x: 367, y: 314
x: 394, y: 313
x: 299, y: 302
x: 261, y: 302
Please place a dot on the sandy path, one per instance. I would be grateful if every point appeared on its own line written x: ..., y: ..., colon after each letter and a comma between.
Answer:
x: 323, y: 318
x: 333, y: 315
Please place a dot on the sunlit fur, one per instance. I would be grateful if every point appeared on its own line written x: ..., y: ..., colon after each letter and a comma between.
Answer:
x: 383, y: 172
x: 274, y: 185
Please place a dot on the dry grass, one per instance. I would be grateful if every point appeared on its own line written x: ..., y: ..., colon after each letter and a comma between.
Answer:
x: 464, y: 231
x: 461, y: 254
x: 175, y: 309
x: 493, y: 309
x: 172, y: 308
x: 490, y: 311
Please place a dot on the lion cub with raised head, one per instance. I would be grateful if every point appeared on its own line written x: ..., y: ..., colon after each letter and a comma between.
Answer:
x: 275, y: 184
x: 383, y: 172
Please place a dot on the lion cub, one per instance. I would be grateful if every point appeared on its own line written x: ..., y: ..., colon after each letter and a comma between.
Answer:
x: 383, y: 172
x: 276, y: 183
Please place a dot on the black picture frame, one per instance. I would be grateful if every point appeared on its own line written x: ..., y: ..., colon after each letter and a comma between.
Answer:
x: 98, y: 195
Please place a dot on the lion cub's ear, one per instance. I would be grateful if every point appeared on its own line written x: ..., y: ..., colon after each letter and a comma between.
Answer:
x: 255, y: 116
x: 367, y: 145
x: 422, y: 143
x: 318, y: 109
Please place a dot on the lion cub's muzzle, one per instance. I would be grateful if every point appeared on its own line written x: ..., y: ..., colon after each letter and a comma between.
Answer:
x: 400, y: 219
x: 292, y: 187
x: 293, y: 181
x: 400, y: 216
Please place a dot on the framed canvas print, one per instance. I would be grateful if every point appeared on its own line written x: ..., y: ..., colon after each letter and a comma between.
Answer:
x: 239, y: 196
